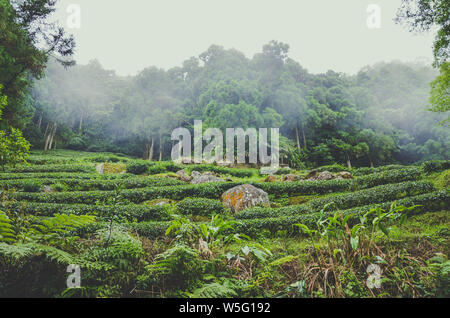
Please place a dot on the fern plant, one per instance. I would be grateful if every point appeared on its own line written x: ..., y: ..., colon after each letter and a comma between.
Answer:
x: 7, y: 234
x: 178, y: 267
x: 214, y: 290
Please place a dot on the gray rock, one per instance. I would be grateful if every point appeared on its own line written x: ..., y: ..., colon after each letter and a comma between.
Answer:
x: 182, y: 175
x: 204, y: 178
x: 245, y: 196
x: 312, y: 174
x: 290, y: 177
x: 344, y: 175
x: 47, y: 189
x: 325, y: 175
x: 100, y: 168
x: 195, y: 174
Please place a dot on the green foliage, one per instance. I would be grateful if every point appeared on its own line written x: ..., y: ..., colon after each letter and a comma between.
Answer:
x: 440, y: 96
x: 35, y: 184
x: 214, y: 290
x: 433, y: 201
x: 436, y: 165
x: 7, y: 234
x: 53, y: 168
x: 13, y: 148
x: 138, y: 167
x: 440, y: 266
x: 240, y: 173
x: 379, y: 194
x: 200, y: 206
x: 55, y: 228
x: 177, y: 268
x: 117, y: 248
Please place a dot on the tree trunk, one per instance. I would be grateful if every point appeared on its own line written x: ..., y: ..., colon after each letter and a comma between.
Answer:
x: 40, y: 121
x: 349, y: 164
x: 47, y: 136
x: 297, y: 137
x: 52, y: 136
x: 304, y: 137
x: 80, y: 127
x: 160, y: 148
x: 146, y: 151
x: 150, y: 152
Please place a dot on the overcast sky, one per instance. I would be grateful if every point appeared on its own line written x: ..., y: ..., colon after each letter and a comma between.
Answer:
x: 129, y: 35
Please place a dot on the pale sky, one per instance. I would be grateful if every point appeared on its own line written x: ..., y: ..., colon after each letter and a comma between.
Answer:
x: 129, y: 35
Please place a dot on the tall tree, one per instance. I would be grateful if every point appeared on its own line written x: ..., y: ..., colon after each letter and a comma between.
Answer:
x: 27, y: 39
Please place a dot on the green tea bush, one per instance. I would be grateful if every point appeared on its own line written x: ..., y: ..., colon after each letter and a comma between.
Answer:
x: 130, y: 212
x: 27, y: 186
x: 62, y: 175
x: 215, y: 189
x: 240, y: 173
x: 304, y: 187
x: 52, y: 168
x: 385, y: 177
x: 138, y: 167
x: 366, y: 170
x: 200, y: 206
x: 332, y: 168
x: 377, y: 194
x: 435, y: 165
x: 35, y: 185
x: 150, y: 229
x: 434, y: 201
x: 45, y: 160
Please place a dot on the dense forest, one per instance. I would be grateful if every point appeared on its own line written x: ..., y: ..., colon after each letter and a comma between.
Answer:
x: 379, y: 116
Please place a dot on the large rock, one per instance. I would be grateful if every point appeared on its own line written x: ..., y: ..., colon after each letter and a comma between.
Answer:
x: 182, y: 175
x: 195, y: 174
x: 100, y: 168
x: 245, y: 196
x: 344, y: 175
x: 325, y: 175
x: 270, y: 178
x: 198, y: 178
x: 312, y: 174
x: 289, y: 177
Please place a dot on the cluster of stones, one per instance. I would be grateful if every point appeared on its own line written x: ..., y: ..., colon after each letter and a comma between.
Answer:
x: 198, y: 178
x: 245, y: 196
x: 326, y: 175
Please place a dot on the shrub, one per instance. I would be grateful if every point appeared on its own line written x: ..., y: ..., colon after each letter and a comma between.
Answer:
x: 13, y: 148
x: 32, y: 186
x: 240, y: 173
x: 177, y: 268
x: 332, y: 168
x: 366, y: 170
x: 200, y: 206
x: 433, y: 201
x: 435, y: 165
x: 377, y: 194
x: 385, y: 177
x: 76, y: 143
x: 130, y: 212
x: 53, y: 168
x: 138, y: 167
